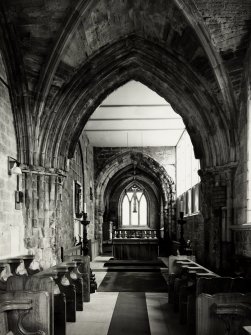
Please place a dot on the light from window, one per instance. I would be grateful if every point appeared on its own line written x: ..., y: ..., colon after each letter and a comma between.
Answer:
x: 134, y: 207
x: 125, y: 211
x: 143, y: 211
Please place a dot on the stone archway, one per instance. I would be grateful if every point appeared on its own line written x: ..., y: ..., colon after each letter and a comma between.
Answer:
x: 118, y: 163
x: 58, y: 80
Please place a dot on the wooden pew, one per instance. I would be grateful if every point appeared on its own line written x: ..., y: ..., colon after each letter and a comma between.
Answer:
x: 222, y: 313
x: 174, y: 272
x: 68, y: 289
x: 77, y: 251
x: 172, y: 260
x: 18, y: 266
x: 62, y: 277
x: 247, y: 330
x: 76, y: 279
x: 57, y: 300
x: 14, y: 263
x: 25, y: 313
x: 204, y: 285
x: 57, y: 297
x: 192, y: 274
x: 3, y: 279
x: 212, y: 286
x: 74, y: 254
x: 182, y: 283
x: 28, y: 262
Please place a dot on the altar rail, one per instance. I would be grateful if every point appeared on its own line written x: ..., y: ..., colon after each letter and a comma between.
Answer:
x: 135, y: 233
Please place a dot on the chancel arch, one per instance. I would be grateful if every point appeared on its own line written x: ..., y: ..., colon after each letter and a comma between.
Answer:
x: 121, y: 173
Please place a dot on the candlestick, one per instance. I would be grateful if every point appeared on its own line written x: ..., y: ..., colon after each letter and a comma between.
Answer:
x: 85, y: 223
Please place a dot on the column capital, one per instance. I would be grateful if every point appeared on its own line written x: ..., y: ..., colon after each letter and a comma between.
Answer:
x: 218, y: 173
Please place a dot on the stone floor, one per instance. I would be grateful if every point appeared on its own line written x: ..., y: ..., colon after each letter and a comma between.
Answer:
x: 96, y: 317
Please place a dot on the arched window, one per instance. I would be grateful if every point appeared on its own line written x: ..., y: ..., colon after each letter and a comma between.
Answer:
x: 134, y: 207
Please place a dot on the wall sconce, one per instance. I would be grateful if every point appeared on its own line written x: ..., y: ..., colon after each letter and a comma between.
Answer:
x: 13, y: 166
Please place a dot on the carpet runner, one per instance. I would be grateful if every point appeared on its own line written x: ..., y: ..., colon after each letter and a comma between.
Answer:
x: 130, y: 315
x: 132, y: 279
x: 133, y: 282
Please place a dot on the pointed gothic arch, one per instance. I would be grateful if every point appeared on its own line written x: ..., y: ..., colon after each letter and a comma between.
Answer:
x: 134, y: 205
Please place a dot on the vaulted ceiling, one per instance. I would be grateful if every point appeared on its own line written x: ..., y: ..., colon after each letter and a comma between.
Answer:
x: 63, y: 58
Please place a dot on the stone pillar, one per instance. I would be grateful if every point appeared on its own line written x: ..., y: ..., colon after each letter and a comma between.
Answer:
x: 217, y: 210
x: 100, y: 231
x: 42, y: 211
x: 248, y: 217
x: 99, y: 213
x: 167, y: 224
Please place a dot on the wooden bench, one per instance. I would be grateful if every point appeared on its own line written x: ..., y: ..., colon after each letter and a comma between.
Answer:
x: 75, y: 279
x: 25, y: 312
x: 247, y: 330
x: 189, y: 280
x: 186, y: 273
x: 57, y: 300
x: 78, y: 252
x: 59, y: 276
x: 74, y: 254
x: 222, y: 313
x: 64, y: 276
x: 19, y: 265
x: 174, y: 270
x: 83, y: 268
x: 213, y: 286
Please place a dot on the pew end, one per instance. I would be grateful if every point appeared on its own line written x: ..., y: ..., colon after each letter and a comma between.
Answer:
x: 222, y: 313
x: 25, y: 313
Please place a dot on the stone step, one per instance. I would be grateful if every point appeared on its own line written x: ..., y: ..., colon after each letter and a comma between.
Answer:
x: 138, y: 263
x: 131, y: 268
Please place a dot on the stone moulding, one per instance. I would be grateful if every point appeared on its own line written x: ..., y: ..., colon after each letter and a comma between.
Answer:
x: 246, y: 226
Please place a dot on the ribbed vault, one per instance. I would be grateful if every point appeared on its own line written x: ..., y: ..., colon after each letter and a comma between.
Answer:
x: 134, y: 58
x: 74, y: 53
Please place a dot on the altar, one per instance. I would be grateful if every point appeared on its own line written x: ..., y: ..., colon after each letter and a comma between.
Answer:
x: 135, y: 244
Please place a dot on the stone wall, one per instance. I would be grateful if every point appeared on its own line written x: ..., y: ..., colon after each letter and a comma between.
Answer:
x: 49, y: 205
x: 86, y: 179
x: 194, y: 231
x: 11, y: 220
x: 165, y: 156
x: 89, y: 194
x: 240, y: 181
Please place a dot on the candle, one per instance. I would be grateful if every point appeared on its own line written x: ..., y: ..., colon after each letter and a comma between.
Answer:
x: 181, y: 205
x: 85, y: 207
